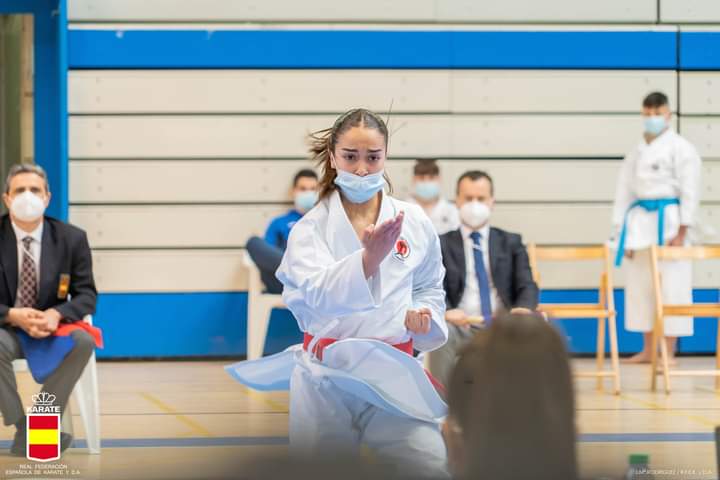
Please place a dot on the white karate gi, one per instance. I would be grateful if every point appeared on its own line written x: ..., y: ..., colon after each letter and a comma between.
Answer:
x: 364, y: 390
x: 444, y: 215
x: 668, y: 167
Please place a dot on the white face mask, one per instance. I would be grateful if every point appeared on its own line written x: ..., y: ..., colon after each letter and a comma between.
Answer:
x: 475, y: 214
x: 27, y: 206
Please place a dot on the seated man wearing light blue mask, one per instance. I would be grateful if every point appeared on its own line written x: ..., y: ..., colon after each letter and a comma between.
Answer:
x: 656, y: 202
x: 426, y: 193
x: 267, y: 253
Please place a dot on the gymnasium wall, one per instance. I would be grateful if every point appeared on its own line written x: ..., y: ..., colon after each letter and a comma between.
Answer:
x: 187, y: 123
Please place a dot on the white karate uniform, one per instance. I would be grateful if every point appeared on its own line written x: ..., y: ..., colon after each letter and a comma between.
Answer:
x: 668, y: 167
x: 364, y: 390
x: 444, y: 215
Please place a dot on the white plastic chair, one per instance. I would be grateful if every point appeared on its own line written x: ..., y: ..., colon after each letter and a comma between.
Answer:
x: 87, y: 396
x: 260, y: 306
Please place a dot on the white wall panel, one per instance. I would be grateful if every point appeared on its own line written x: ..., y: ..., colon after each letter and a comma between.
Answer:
x: 580, y: 275
x: 237, y: 91
x: 700, y: 93
x: 248, y: 10
x: 544, y: 135
x: 223, y: 181
x: 259, y: 181
x: 558, y: 180
x: 186, y: 226
x: 253, y: 136
x: 172, y: 226
x: 555, y: 224
x: 527, y: 11
x: 576, y: 223
x: 555, y: 91
x: 160, y: 181
x: 169, y: 270
x: 309, y: 91
x: 541, y: 180
x: 223, y: 270
x: 704, y: 133
x: 373, y: 10
x: 689, y: 11
x: 191, y: 137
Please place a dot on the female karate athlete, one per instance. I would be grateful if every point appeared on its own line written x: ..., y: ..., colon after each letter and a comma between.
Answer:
x: 362, y: 275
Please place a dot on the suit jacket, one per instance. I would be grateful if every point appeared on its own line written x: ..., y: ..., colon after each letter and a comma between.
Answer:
x: 64, y: 251
x: 509, y: 267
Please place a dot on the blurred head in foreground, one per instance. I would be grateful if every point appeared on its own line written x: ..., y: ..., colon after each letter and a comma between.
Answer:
x: 511, y: 404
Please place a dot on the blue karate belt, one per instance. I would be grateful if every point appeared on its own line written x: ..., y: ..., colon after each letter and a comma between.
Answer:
x: 655, y: 205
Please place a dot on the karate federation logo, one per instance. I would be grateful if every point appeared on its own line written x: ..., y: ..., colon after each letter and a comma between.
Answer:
x: 43, y: 429
x: 402, y: 249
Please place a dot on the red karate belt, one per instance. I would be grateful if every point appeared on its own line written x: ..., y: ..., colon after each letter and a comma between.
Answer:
x: 406, y: 347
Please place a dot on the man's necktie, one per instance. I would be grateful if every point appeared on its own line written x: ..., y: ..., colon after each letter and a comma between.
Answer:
x: 28, y: 277
x: 482, y: 278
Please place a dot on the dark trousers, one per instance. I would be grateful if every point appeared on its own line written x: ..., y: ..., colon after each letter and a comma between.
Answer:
x: 443, y: 360
x: 267, y: 258
x: 60, y: 383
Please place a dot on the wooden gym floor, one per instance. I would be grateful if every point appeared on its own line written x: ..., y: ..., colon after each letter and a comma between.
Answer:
x: 190, y: 420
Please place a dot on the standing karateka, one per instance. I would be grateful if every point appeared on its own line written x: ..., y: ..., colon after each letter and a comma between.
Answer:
x: 362, y: 275
x: 656, y: 202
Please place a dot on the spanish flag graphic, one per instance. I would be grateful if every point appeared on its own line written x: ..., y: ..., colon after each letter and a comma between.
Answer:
x: 43, y: 439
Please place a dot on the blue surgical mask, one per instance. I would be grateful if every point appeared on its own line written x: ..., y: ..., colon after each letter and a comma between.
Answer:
x: 655, y: 124
x: 427, y: 190
x: 359, y: 189
x: 304, y: 201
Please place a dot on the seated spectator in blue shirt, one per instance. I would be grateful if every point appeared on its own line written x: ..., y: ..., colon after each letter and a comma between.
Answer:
x: 267, y: 253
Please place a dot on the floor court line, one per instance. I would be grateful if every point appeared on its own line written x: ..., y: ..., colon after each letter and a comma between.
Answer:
x: 654, y: 406
x: 275, y: 406
x: 265, y: 441
x: 194, y: 426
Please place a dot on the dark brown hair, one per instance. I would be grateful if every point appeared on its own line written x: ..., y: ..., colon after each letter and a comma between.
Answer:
x: 426, y: 166
x: 304, y: 173
x: 655, y: 100
x: 475, y: 175
x: 323, y: 142
x: 512, y: 395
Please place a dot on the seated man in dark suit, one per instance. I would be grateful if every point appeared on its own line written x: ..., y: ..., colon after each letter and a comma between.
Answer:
x: 487, y: 270
x: 46, y: 280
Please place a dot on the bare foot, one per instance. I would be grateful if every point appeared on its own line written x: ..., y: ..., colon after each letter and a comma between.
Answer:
x: 642, y: 357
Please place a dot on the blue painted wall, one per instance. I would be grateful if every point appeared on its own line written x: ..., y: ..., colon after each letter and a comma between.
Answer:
x: 372, y: 49
x: 699, y: 50
x: 184, y: 324
x: 214, y: 324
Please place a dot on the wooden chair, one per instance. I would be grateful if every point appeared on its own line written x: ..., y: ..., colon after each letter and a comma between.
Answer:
x: 662, y: 310
x: 602, y: 311
x: 260, y: 306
